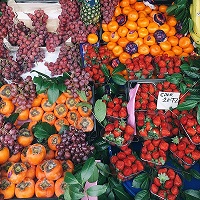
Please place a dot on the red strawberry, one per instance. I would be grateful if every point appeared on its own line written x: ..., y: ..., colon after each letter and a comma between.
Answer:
x: 187, y: 160
x: 196, y: 139
x: 162, y: 153
x: 191, y: 131
x: 156, y: 142
x: 180, y: 154
x: 121, y: 155
x: 134, y: 168
x: 109, y: 128
x: 173, y: 147
x: 150, y: 147
x: 128, y: 151
x: 127, y: 137
x: 129, y: 129
x: 183, y: 120
x: 171, y: 174
x: 117, y: 132
x: 139, y: 164
x: 165, y: 132
x: 148, y: 157
x: 120, y: 176
x: 119, y: 165
x: 124, y: 147
x: 162, y: 63
x: 171, y: 197
x: 157, y: 121
x: 162, y: 170
x: 117, y: 108
x: 175, y: 190
x: 162, y: 194
x: 122, y: 125
x: 140, y: 116
x: 115, y: 114
x: 177, y: 181
x: 154, y: 188
x: 123, y: 112
x: 196, y: 155
x: 110, y: 104
x: 109, y: 111
x: 152, y: 106
x: 155, y: 155
x: 157, y: 181
x: 163, y: 145
x: 116, y: 100
x: 131, y: 157
x: 127, y: 162
x: 113, y: 159
x: 116, y: 123
x: 168, y: 184
x: 188, y: 151
x: 127, y: 171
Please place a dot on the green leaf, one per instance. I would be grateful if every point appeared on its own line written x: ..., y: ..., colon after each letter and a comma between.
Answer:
x: 43, y: 130
x: 105, y: 70
x: 100, y: 91
x: 188, y: 80
x: 145, y: 184
x: 82, y: 95
x: 183, y: 88
x: 195, y: 173
x: 114, y: 88
x: 66, y: 75
x: 12, y: 118
x: 185, y: 66
x: 121, y: 194
x: 194, y: 90
x: 63, y: 128
x: 143, y: 195
x: 53, y: 93
x: 119, y: 79
x: 104, y: 169
x: 171, y: 9
x: 75, y: 192
x: 94, y: 176
x: 141, y: 177
x: 191, y: 24
x: 187, y: 105
x: 192, y: 194
x: 67, y: 195
x: 136, y: 184
x: 25, y: 125
x: 192, y: 74
x: 198, y: 113
x: 111, y: 196
x: 62, y: 87
x: 41, y: 74
x: 195, y: 97
x: 96, y: 190
x: 84, y: 104
x: 174, y: 78
x: 119, y: 68
x: 88, y: 169
x: 186, y: 175
x: 101, y: 145
x: 70, y: 179
x: 100, y: 110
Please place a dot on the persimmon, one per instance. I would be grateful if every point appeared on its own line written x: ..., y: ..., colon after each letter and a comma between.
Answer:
x: 61, y: 99
x: 31, y: 125
x: 5, y: 167
x: 25, y: 137
x: 49, y: 117
x: 132, y: 35
x: 68, y: 93
x: 126, y: 10
x: 36, y: 153
x: 189, y: 49
x: 50, y: 154
x: 17, y: 172
x: 60, y: 186
x: 60, y: 122
x: 60, y: 110
x: 139, y: 6
x: 53, y: 169
x: 6, y: 107
x: 143, y: 22
x: 39, y: 171
x: 53, y: 141
x: 25, y: 189
x: 5, y: 92
x: 23, y: 154
x: 37, y: 101
x: 155, y: 50
x: 84, y: 110
x: 122, y: 31
x: 143, y: 49
x: 30, y: 170
x: 4, y: 155
x: 44, y: 188
x: 133, y: 15
x: 73, y: 116
x: 67, y: 165
x: 143, y: 32
x: 23, y: 114
x: 71, y: 103
x: 47, y: 106
x: 43, y: 95
x: 15, y: 157
x: 7, y: 188
x: 36, y: 113
x: 123, y: 57
x: 85, y: 123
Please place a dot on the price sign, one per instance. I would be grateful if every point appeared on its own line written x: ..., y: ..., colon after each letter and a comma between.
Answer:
x: 167, y: 100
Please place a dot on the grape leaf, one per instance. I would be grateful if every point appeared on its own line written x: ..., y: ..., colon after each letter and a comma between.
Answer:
x: 118, y: 79
x: 187, y: 105
x: 119, y: 68
x: 53, y: 93
x: 105, y: 70
x: 96, y: 190
x: 100, y: 110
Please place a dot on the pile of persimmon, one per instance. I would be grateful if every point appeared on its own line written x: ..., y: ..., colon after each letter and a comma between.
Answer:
x: 137, y: 29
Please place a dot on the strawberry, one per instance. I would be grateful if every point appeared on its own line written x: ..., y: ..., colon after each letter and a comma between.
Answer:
x: 150, y: 147
x: 152, y: 106
x: 128, y: 151
x: 116, y: 123
x: 121, y: 155
x: 155, y: 155
x: 188, y: 151
x: 131, y: 157
x: 109, y: 128
x: 124, y: 147
x: 134, y: 168
x: 162, y: 194
x: 180, y: 154
x: 177, y: 181
x: 148, y: 157
x: 173, y: 147
x: 196, y: 155
x: 175, y: 190
x: 156, y: 142
x: 157, y: 121
x: 129, y: 129
x: 165, y: 132
x: 115, y: 114
x: 162, y: 64
x: 109, y: 111
x: 117, y: 108
x: 113, y: 159
x: 120, y: 176
x: 157, y: 181
x: 187, y: 160
x: 171, y: 197
x: 127, y: 171
x: 196, y: 139
x: 123, y: 112
x: 117, y: 132
x: 119, y: 165
x: 171, y: 174
x: 139, y: 164
x: 163, y: 145
x: 183, y: 120
x: 116, y: 100
x: 162, y: 153
x: 168, y: 184
x: 154, y: 188
x: 162, y: 170
x: 110, y: 104
x: 122, y: 124
x: 191, y: 131
x: 190, y: 122
x: 127, y: 162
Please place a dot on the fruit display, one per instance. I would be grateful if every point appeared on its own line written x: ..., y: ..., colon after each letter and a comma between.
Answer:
x: 104, y: 106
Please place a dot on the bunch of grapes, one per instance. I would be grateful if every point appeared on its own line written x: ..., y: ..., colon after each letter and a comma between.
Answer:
x: 108, y: 9
x: 23, y: 93
x: 53, y: 40
x: 4, y: 53
x: 68, y: 59
x: 74, y: 146
x: 8, y: 136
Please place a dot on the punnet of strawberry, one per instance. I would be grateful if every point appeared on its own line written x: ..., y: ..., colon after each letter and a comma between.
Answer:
x: 184, y: 151
x: 154, y: 152
x: 166, y: 184
x: 118, y: 132
x: 126, y: 164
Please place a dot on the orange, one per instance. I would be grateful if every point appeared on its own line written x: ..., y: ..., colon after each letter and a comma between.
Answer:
x: 123, y: 57
x: 132, y: 1
x: 118, y: 11
x: 143, y: 32
x: 143, y: 22
x: 173, y: 40
x: 123, y: 41
x: 171, y: 21
x: 113, y: 26
x: 143, y: 49
x: 162, y: 8
x: 117, y: 50
x: 132, y: 35
x: 149, y: 40
x: 135, y: 55
x: 169, y: 53
x: 106, y: 36
x: 184, y: 42
x: 139, y: 41
x: 126, y: 10
x: 147, y: 9
x: 124, y: 3
x: 152, y: 13
x: 155, y: 50
x: 189, y: 49
x: 104, y: 27
x: 152, y: 27
x: 165, y: 27
x: 114, y: 37
x: 139, y: 6
x: 142, y: 13
x: 92, y: 38
x: 133, y: 15
x: 122, y: 31
x: 111, y: 45
x: 131, y: 25
x: 165, y: 46
x: 177, y: 50
x: 171, y: 32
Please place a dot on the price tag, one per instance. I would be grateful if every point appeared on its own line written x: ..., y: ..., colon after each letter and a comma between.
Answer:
x: 167, y: 100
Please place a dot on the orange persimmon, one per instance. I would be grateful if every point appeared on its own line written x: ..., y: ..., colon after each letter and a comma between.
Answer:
x: 7, y: 188
x: 73, y: 116
x: 71, y: 103
x: 60, y: 122
x: 67, y: 165
x: 30, y: 170
x: 60, y: 110
x: 53, y: 141
x: 84, y: 110
x: 61, y: 99
x: 60, y: 186
x: 49, y: 117
x: 25, y: 137
x: 39, y: 171
x: 4, y: 155
x: 5, y: 167
x: 36, y: 113
x: 6, y: 107
x: 5, y: 92
x: 47, y: 106
x: 15, y: 157
x: 85, y: 123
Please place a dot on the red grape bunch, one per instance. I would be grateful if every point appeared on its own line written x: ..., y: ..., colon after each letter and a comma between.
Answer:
x: 23, y: 93
x: 53, y: 40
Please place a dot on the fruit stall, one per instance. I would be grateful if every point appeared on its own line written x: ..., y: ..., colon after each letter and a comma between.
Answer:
x: 99, y: 99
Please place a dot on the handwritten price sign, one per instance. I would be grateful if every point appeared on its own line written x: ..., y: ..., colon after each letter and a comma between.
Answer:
x: 167, y: 100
